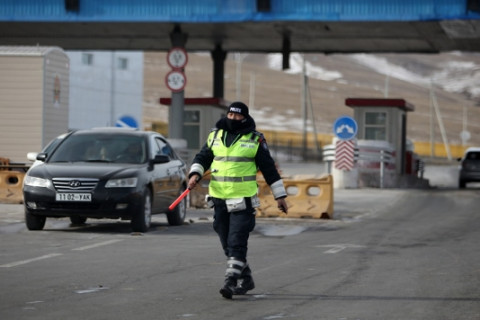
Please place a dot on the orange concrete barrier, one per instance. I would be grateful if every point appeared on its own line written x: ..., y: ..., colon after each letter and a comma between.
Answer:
x: 11, y: 184
x: 307, y: 198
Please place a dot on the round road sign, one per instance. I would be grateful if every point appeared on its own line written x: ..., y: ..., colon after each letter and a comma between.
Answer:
x: 126, y: 122
x: 177, y: 58
x: 176, y: 80
x: 345, y: 128
x: 465, y: 135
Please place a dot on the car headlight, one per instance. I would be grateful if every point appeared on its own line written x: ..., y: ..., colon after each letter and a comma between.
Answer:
x: 122, y: 183
x: 37, y: 182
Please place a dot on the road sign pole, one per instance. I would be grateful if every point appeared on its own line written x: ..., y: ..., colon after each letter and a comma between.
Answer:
x: 345, y: 130
x: 176, y: 112
x: 382, y: 167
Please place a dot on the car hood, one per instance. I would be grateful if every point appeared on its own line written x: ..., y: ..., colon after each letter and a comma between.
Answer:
x: 84, y: 170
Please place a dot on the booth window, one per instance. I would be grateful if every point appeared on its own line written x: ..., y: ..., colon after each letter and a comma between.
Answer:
x: 375, y: 125
x: 191, y: 128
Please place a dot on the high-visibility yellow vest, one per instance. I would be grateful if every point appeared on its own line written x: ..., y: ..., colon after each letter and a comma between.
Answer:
x: 233, y: 169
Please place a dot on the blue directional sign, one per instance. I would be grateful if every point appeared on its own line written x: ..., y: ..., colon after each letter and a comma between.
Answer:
x: 126, y: 122
x: 345, y: 128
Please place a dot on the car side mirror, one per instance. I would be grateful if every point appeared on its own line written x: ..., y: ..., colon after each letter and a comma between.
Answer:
x: 42, y: 156
x: 161, y: 158
x: 32, y: 156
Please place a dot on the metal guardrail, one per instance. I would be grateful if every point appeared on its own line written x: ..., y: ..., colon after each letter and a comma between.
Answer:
x: 372, y: 154
x: 420, y: 167
x: 329, y: 153
x: 376, y: 154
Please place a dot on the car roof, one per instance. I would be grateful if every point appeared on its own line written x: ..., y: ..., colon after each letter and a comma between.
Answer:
x: 472, y: 149
x: 117, y: 130
x: 109, y: 129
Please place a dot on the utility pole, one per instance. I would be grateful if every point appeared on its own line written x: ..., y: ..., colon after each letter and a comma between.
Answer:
x: 112, y: 89
x: 304, y: 109
x: 239, y: 57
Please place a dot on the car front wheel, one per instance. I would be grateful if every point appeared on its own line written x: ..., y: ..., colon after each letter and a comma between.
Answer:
x: 176, y: 217
x: 143, y: 218
x: 34, y: 222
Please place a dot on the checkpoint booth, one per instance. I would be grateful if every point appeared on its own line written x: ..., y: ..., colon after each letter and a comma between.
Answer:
x: 200, y: 116
x: 384, y: 119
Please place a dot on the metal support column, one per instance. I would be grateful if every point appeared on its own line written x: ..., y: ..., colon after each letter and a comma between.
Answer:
x: 218, y: 56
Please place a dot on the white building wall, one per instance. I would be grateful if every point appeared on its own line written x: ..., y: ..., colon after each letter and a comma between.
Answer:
x: 102, y: 93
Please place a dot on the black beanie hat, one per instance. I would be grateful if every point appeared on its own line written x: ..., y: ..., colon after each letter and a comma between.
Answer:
x: 239, y: 107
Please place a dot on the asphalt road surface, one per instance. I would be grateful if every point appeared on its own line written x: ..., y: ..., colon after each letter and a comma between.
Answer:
x: 387, y: 254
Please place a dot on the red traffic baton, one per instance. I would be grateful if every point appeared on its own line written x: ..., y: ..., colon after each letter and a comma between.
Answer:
x: 180, y: 198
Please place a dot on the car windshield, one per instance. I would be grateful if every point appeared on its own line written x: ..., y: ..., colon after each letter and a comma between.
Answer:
x: 54, y: 143
x: 101, y: 148
x: 473, y: 155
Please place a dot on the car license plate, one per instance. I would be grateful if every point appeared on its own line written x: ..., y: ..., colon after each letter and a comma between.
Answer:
x: 85, y: 197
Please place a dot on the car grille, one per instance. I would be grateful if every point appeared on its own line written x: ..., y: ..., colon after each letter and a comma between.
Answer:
x: 74, y: 184
x: 472, y: 165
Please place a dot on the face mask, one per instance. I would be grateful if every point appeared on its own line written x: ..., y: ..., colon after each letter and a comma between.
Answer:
x: 235, y: 125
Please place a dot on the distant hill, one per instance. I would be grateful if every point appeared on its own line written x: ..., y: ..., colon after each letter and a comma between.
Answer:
x: 275, y: 101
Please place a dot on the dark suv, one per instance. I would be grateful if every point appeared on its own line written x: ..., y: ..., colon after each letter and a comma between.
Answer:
x: 470, y: 167
x: 106, y: 173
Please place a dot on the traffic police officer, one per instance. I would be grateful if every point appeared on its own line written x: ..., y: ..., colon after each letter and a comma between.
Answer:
x: 234, y: 152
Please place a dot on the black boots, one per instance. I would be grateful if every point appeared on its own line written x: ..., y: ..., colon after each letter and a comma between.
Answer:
x: 234, y: 270
x: 228, y: 287
x: 237, y: 270
x: 246, y: 282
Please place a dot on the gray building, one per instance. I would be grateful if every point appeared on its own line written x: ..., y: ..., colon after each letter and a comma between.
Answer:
x: 106, y: 89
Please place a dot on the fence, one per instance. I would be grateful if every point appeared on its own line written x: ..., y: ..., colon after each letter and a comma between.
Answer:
x: 371, y: 161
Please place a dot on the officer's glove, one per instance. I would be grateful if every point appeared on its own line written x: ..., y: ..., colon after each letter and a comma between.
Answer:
x: 282, y: 205
x: 192, y: 182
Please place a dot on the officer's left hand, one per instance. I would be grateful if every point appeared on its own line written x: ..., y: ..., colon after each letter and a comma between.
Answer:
x: 282, y: 205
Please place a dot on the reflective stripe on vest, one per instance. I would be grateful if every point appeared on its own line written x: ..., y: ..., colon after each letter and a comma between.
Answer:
x: 233, y: 169
x: 234, y: 179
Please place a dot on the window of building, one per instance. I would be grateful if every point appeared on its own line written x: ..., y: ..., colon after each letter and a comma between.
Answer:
x: 375, y: 125
x: 87, y: 58
x: 122, y: 63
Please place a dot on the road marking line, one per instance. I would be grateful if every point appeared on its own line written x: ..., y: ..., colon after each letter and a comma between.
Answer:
x: 91, y: 290
x: 104, y: 243
x: 14, y: 264
x: 336, y: 248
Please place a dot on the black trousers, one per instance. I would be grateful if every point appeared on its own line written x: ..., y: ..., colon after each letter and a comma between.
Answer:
x: 233, y: 228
